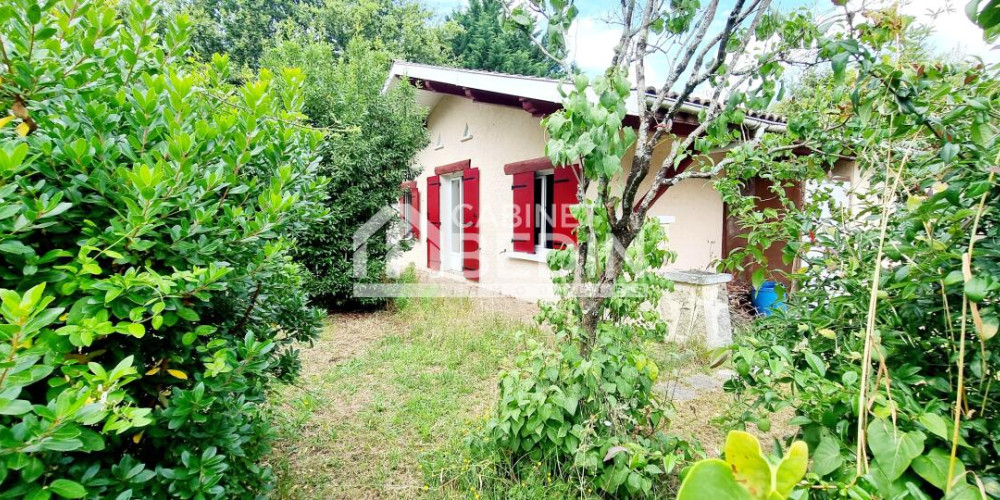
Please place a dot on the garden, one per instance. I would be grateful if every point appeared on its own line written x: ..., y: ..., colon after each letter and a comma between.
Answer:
x: 180, y: 181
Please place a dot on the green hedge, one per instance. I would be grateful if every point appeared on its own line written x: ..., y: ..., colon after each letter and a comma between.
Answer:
x: 369, y: 153
x: 147, y: 211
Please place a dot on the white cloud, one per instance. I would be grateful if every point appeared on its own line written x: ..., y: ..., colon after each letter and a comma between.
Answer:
x: 591, y: 43
x: 953, y: 32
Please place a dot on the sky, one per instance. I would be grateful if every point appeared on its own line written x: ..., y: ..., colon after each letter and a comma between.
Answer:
x: 592, y: 40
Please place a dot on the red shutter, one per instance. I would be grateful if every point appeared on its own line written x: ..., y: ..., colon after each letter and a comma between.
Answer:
x: 470, y: 223
x: 415, y: 211
x: 564, y: 185
x: 434, y: 222
x: 524, y: 213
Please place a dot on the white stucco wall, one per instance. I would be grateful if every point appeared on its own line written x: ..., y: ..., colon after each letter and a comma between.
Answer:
x: 502, y: 135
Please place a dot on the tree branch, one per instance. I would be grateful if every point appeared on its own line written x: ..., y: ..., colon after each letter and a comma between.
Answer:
x: 627, y: 33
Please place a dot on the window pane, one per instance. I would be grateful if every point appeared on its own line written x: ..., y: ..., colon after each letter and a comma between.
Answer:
x: 407, y: 214
x: 456, y: 218
x: 537, y: 208
x: 549, y: 210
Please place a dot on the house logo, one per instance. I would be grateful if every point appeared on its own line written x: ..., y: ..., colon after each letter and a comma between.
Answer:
x: 399, y: 227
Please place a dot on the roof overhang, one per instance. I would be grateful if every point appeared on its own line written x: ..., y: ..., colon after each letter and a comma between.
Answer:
x: 538, y: 96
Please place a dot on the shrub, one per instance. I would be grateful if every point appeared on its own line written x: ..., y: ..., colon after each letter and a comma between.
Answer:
x: 888, y: 347
x: 146, y: 215
x: 590, y: 418
x: 370, y: 154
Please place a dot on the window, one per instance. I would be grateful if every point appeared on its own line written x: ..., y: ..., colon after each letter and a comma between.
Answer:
x: 542, y: 201
x: 408, y: 209
x: 543, y: 209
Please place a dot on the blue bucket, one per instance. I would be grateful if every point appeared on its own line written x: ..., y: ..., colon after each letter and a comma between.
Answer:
x: 766, y: 299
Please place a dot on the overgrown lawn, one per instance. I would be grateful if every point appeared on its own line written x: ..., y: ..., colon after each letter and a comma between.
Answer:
x: 387, y: 398
x: 381, y: 389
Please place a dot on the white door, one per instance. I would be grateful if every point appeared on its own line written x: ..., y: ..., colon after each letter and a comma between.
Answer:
x: 451, y: 222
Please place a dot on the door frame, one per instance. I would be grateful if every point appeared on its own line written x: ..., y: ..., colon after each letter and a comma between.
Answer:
x: 451, y: 259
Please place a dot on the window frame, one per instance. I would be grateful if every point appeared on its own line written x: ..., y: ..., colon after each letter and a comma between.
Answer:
x: 408, y: 210
x: 543, y: 224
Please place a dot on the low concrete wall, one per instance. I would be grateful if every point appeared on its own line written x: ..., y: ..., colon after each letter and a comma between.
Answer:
x: 698, y: 308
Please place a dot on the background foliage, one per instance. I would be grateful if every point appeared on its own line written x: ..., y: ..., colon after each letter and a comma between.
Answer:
x: 147, y: 211
x: 245, y: 28
x: 367, y: 158
x: 481, y: 41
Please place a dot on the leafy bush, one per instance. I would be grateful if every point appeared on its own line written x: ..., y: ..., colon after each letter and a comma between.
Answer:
x: 888, y: 347
x: 590, y: 418
x: 367, y: 158
x: 148, y: 296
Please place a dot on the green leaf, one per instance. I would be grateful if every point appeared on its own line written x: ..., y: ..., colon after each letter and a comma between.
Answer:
x: 757, y: 278
x: 839, y: 64
x: 749, y: 465
x: 816, y: 363
x: 949, y: 151
x: 955, y: 277
x: 991, y: 324
x: 62, y: 444
x: 15, y: 247
x: 935, y: 424
x: 933, y: 467
x: 976, y: 288
x: 187, y: 314
x: 15, y: 407
x: 39, y: 494
x: 68, y: 489
x: 827, y: 457
x: 963, y: 491
x: 570, y: 403
x: 136, y: 330
x: 940, y: 427
x: 894, y: 449
x: 711, y: 479
x: 791, y: 469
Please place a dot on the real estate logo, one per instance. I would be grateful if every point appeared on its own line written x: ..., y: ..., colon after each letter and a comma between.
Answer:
x: 442, y: 251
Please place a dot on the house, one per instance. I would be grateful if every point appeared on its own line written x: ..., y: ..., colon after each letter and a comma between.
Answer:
x: 488, y: 205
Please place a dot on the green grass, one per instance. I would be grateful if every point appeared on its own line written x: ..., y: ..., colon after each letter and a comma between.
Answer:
x: 362, y: 424
x: 387, y: 398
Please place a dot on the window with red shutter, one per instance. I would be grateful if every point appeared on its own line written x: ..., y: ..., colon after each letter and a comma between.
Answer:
x: 524, y: 212
x: 434, y: 222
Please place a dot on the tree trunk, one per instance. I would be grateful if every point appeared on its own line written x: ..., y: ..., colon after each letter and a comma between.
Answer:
x: 592, y: 304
